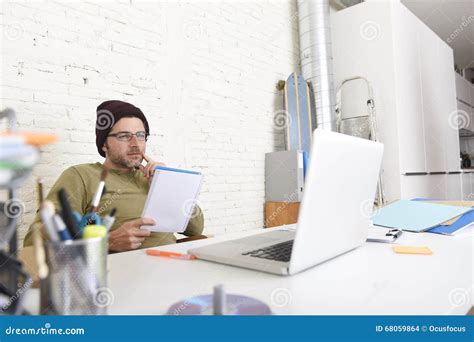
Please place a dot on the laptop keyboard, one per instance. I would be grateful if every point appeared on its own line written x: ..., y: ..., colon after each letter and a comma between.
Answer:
x: 279, y: 252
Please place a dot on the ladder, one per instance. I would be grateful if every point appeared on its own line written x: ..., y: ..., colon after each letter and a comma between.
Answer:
x: 362, y: 126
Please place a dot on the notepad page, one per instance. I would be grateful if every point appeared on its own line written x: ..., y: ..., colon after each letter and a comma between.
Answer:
x: 171, y: 200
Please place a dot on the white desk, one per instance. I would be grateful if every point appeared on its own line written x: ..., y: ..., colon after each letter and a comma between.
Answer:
x: 369, y: 280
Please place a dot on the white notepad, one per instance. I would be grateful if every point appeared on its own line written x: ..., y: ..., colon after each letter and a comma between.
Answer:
x: 171, y: 199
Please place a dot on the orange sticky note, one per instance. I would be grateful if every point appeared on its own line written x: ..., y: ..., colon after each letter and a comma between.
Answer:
x: 412, y: 250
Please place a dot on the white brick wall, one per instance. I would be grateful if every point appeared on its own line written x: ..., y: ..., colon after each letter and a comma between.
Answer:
x: 204, y: 73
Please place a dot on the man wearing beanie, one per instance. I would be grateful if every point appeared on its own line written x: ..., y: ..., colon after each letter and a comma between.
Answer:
x: 121, y: 134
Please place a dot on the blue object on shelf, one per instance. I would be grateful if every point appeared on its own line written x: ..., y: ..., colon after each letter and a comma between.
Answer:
x: 305, y: 163
x: 300, y: 121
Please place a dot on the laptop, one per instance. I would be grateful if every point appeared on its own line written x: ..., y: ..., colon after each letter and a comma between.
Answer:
x: 334, y: 215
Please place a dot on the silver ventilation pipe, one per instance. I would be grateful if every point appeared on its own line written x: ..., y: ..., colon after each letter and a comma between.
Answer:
x: 316, y: 58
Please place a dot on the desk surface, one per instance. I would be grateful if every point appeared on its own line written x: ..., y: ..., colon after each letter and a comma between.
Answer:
x: 370, y: 280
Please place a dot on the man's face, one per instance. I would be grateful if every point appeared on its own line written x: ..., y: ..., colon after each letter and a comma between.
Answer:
x: 128, y: 154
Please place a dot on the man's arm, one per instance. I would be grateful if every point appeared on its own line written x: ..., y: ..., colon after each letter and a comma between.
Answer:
x: 196, y: 223
x: 72, y: 182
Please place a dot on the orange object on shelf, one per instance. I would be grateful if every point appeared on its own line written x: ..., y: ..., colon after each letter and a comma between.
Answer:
x: 35, y: 139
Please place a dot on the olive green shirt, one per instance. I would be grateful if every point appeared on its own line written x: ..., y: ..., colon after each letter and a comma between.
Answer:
x: 125, y: 191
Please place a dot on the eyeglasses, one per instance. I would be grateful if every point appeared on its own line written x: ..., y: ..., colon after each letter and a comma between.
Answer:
x: 127, y: 136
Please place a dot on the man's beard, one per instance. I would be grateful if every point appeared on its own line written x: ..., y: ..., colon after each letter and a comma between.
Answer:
x: 124, y: 162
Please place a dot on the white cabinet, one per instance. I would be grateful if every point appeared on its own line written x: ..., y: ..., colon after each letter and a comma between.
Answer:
x: 454, y: 187
x: 471, y: 91
x: 437, y: 186
x: 424, y: 186
x: 428, y: 64
x: 435, y: 119
x: 462, y: 89
x: 465, y: 102
x: 471, y: 111
x: 464, y: 115
x: 414, y: 187
x: 469, y: 118
x: 467, y: 186
x: 411, y: 71
x: 409, y: 88
x: 447, y: 108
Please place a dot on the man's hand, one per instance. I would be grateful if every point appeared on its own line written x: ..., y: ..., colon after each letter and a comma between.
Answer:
x: 149, y: 169
x: 129, y: 235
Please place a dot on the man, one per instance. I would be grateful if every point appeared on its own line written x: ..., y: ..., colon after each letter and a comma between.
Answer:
x: 121, y: 135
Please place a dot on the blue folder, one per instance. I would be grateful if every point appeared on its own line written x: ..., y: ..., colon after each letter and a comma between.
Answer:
x: 464, y: 221
x: 416, y: 216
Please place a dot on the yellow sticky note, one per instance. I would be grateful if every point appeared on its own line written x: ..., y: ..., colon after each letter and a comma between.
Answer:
x: 412, y: 250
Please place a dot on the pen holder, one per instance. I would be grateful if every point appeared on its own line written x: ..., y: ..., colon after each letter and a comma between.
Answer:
x: 77, y: 279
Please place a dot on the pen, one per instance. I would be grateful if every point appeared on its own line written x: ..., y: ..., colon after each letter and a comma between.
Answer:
x: 46, y: 214
x: 109, y: 220
x: 174, y: 255
x: 40, y: 254
x: 60, y: 226
x: 43, y: 269
x: 68, y: 215
x: 77, y: 217
x: 91, y: 217
x: 99, y: 191
x: 39, y: 182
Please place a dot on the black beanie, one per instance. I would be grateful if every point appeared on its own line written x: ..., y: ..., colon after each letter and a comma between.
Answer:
x: 110, y: 112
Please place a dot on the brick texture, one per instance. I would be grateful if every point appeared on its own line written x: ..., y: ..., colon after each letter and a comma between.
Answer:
x: 204, y: 73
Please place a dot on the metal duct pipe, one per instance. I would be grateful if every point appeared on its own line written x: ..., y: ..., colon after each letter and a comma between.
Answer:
x: 316, y: 58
